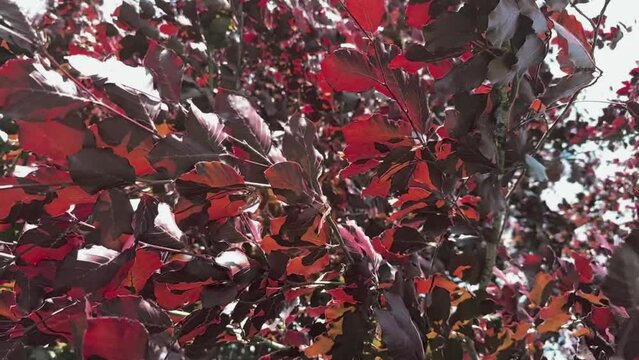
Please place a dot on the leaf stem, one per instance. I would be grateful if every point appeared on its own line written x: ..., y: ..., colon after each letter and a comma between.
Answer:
x: 340, y: 239
x: 596, y: 29
x: 385, y: 82
x: 21, y: 186
x: 93, y: 98
x: 258, y: 185
x: 251, y: 149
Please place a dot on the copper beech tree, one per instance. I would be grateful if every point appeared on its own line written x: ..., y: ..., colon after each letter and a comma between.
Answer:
x: 356, y: 179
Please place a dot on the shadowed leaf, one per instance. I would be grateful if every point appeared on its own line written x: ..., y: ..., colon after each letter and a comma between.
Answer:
x: 96, y: 169
x: 502, y: 22
x: 24, y: 82
x: 167, y: 69
x: 243, y: 121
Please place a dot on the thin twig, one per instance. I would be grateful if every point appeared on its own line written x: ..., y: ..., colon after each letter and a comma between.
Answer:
x: 251, y: 149
x: 93, y: 98
x: 599, y: 23
x: 21, y: 186
x: 7, y: 256
x: 238, y: 67
x: 176, y: 251
x: 515, y: 185
x: 469, y: 345
x: 26, y: 330
x: 339, y: 238
x: 258, y: 185
x: 577, y: 9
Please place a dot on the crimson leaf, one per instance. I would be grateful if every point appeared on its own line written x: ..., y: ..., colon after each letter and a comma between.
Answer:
x: 349, y: 70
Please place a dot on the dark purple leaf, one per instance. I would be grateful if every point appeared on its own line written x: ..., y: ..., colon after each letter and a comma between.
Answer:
x: 167, y: 69
x: 451, y: 30
x: 219, y: 295
x: 243, y: 121
x: 128, y: 86
x: 567, y: 86
x: 621, y: 284
x: 530, y: 9
x: 416, y: 52
x: 531, y: 53
x: 137, y: 308
x: 154, y: 223
x: 399, y: 333
x: 172, y: 156
x: 557, y: 5
x: 25, y: 82
x: 204, y: 128
x: 112, y: 216
x: 502, y: 22
x: 91, y: 269
x: 298, y: 147
x: 96, y: 169
x: 464, y: 77
x: 196, y: 270
x: 287, y: 178
x: 15, y: 26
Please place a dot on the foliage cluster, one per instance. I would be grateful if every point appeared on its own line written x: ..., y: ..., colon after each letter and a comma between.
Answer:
x: 345, y: 180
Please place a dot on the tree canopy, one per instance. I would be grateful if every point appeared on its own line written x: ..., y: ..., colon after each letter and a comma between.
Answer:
x: 343, y: 179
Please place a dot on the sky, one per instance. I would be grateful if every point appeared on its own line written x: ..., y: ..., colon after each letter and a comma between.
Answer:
x: 616, y: 64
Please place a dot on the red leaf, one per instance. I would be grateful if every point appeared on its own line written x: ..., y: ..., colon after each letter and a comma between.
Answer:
x: 381, y: 185
x: 417, y: 14
x: 538, y: 294
x: 425, y: 286
x: 287, y: 176
x: 367, y: 13
x: 401, y: 62
x: 603, y: 318
x: 47, y: 243
x: 584, y: 268
x: 59, y: 317
x: 115, y: 339
x: 349, y: 70
x: 225, y: 207
x: 377, y: 128
x: 439, y: 69
x: 303, y: 266
x: 174, y: 300
x: 214, y: 174
x: 145, y: 264
x: 126, y: 140
x: 50, y: 139
x: 12, y: 196
x: 66, y: 196
x: 358, y: 167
